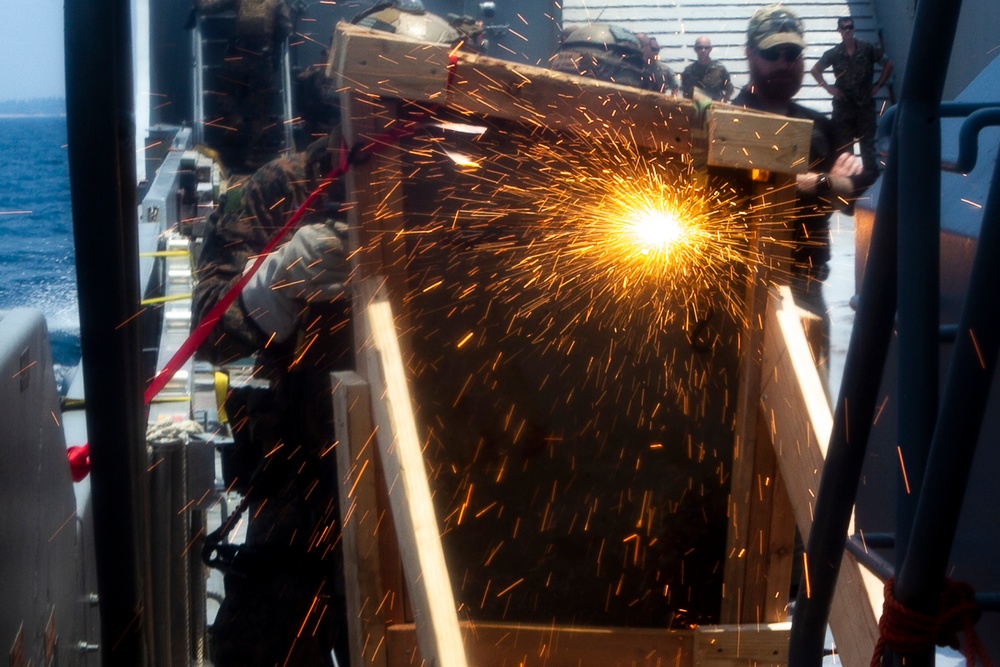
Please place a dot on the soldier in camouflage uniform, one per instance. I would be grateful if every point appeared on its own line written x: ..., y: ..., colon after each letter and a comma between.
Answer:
x: 853, y: 62
x: 285, y: 601
x: 709, y: 76
x: 294, y: 316
x: 658, y: 76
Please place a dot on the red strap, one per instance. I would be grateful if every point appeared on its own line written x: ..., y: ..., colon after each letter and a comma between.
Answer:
x: 206, y: 325
x: 79, y: 456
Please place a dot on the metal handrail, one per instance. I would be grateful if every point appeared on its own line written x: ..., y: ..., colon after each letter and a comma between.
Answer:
x: 978, y: 116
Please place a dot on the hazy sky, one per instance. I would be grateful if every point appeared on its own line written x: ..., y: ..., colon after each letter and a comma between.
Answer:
x: 31, y: 49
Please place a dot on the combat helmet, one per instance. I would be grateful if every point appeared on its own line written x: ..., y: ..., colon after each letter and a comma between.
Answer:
x: 410, y: 19
x: 602, y: 51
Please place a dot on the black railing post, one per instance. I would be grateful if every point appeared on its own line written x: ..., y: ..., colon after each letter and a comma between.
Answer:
x: 910, y: 197
x: 920, y: 577
x: 849, y: 439
x: 101, y: 129
x: 918, y: 128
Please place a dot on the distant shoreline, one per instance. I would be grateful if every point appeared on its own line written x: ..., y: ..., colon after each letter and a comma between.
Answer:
x: 33, y: 115
x: 40, y: 107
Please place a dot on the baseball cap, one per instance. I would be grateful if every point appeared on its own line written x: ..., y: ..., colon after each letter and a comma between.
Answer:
x: 774, y: 25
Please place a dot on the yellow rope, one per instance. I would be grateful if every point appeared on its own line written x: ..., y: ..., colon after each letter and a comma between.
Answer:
x: 166, y: 253
x: 164, y: 299
x: 171, y: 399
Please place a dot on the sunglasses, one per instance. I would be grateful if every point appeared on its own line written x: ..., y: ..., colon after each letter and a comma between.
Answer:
x: 845, y: 28
x: 703, y: 48
x: 789, y: 52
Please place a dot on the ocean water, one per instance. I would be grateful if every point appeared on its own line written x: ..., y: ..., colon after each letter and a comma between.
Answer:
x: 37, y: 261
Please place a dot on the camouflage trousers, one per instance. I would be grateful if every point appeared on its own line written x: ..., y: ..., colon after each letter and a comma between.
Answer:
x: 855, y: 123
x: 281, y: 619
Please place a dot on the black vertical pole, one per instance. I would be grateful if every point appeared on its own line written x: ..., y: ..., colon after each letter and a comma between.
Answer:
x: 851, y: 427
x: 911, y: 196
x: 919, y: 130
x: 100, y: 124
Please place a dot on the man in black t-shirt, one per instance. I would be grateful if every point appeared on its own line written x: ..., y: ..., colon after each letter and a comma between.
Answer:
x: 775, y: 44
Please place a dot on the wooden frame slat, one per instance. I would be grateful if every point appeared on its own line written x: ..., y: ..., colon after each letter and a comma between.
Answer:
x: 746, y: 139
x: 759, y: 645
x: 360, y: 518
x: 749, y: 572
x: 526, y: 644
x: 409, y: 494
x: 387, y: 65
x: 793, y: 400
x: 375, y: 214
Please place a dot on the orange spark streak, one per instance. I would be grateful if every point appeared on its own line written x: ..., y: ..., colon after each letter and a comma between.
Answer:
x: 509, y: 588
x: 975, y: 344
x: 902, y: 466
x: 805, y: 575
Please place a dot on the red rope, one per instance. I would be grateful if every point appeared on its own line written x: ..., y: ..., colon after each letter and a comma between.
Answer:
x: 208, y: 323
x: 906, y: 632
x: 79, y: 456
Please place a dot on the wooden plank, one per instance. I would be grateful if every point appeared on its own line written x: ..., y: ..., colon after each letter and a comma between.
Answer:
x: 374, y: 216
x: 386, y: 65
x: 795, y: 404
x: 771, y: 538
x: 743, y: 562
x: 738, y: 645
x: 793, y: 398
x: 359, y: 518
x: 375, y: 213
x: 528, y: 645
x: 399, y: 446
x: 748, y: 139
x: 780, y: 554
x: 505, y: 644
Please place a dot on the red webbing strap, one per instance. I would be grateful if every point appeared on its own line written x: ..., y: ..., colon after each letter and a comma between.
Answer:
x: 905, y: 632
x: 79, y: 456
x: 205, y: 326
x: 207, y: 323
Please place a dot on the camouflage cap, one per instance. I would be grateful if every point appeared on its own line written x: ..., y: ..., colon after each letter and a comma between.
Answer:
x: 774, y: 25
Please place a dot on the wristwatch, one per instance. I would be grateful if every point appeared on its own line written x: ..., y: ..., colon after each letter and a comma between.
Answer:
x: 824, y: 185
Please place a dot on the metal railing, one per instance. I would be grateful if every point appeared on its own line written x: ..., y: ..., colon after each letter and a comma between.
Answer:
x: 900, y: 288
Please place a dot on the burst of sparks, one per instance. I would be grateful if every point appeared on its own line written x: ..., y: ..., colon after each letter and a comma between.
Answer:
x: 565, y: 295
x: 607, y: 235
x: 656, y: 231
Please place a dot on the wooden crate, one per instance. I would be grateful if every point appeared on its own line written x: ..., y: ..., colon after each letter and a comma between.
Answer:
x: 444, y: 242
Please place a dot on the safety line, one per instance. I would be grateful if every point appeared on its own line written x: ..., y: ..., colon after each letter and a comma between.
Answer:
x: 347, y: 159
